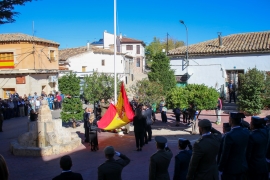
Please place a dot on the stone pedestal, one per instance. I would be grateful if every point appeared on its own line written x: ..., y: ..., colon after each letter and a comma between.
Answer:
x: 45, y: 137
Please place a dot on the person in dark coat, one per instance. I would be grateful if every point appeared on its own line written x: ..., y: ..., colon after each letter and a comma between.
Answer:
x: 256, y: 150
x: 177, y: 113
x: 33, y: 115
x: 139, y: 123
x: 226, y: 129
x: 160, y: 161
x: 233, y: 163
x: 147, y: 113
x: 182, y: 160
x: 112, y: 169
x: 86, y: 115
x: 267, y: 126
x: 67, y: 174
x: 93, y: 128
x: 203, y: 161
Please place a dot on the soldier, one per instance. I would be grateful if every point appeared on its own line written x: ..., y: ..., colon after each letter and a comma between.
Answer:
x: 233, y: 164
x: 85, y: 125
x: 231, y: 90
x: 112, y: 169
x: 148, y: 130
x: 160, y: 161
x: 203, y: 161
x: 256, y: 150
x: 226, y: 129
x: 1, y: 119
x: 182, y: 159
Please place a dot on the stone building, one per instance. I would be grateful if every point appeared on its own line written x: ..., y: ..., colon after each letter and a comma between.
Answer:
x: 28, y: 64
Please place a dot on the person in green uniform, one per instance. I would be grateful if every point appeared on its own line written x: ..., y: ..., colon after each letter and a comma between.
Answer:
x: 154, y: 109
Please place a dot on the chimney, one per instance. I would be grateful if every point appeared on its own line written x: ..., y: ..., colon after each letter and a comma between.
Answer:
x: 220, y: 39
x: 88, y: 46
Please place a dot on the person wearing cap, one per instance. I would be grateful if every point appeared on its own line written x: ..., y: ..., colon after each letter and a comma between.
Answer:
x: 233, y: 164
x: 160, y: 161
x: 139, y: 123
x: 182, y: 159
x: 203, y: 161
x: 112, y: 169
x: 256, y: 150
x: 226, y: 129
x: 66, y: 164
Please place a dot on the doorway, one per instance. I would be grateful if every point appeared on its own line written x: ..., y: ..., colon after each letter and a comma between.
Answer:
x: 43, y: 88
x: 7, y: 92
x: 233, y: 75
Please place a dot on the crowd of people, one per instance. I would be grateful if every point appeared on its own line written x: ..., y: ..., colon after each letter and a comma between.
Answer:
x: 20, y: 106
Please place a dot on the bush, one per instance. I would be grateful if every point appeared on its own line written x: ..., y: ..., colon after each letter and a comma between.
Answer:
x: 250, y: 91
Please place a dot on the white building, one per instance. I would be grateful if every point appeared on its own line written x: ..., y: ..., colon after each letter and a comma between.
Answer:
x: 216, y: 62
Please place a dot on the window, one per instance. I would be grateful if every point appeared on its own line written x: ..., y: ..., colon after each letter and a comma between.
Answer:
x: 52, y: 58
x: 138, y: 64
x: 129, y: 47
x: 6, y: 60
x: 138, y: 49
x: 84, y: 68
x: 132, y: 77
x: 126, y: 79
x: 102, y: 62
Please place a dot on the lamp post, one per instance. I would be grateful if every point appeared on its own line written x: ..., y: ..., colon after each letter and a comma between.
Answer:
x: 182, y: 22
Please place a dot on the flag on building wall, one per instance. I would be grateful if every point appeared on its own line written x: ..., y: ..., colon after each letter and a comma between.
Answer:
x: 119, y: 115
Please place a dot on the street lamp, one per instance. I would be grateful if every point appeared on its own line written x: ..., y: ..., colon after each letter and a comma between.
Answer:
x: 182, y: 22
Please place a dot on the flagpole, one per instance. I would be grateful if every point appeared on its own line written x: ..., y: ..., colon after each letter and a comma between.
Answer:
x: 115, y: 78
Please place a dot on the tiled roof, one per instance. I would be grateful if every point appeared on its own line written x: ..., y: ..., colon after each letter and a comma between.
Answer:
x: 129, y: 40
x: 256, y: 42
x: 64, y: 54
x: 14, y: 37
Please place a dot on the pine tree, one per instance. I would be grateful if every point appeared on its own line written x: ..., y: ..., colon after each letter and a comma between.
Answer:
x: 69, y: 85
x: 161, y: 71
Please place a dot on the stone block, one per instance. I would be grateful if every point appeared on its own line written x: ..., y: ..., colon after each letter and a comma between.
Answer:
x: 32, y: 126
x: 49, y: 127
x: 51, y: 138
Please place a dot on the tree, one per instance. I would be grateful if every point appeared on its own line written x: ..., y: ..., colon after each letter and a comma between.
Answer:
x: 202, y: 96
x: 98, y: 86
x: 158, y: 45
x: 148, y: 91
x: 7, y: 13
x: 161, y: 72
x: 250, y: 91
x: 69, y: 85
x: 266, y: 92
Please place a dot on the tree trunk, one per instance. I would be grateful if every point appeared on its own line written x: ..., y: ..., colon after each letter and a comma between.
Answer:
x: 74, y: 124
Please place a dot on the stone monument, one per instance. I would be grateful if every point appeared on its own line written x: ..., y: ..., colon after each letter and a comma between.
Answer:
x: 45, y: 136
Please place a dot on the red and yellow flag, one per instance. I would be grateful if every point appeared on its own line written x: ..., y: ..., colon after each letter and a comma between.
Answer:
x: 119, y: 115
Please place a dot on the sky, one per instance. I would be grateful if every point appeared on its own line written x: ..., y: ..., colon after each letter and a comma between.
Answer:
x: 73, y: 23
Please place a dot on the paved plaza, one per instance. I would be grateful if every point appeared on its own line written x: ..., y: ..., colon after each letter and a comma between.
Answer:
x: 85, y: 161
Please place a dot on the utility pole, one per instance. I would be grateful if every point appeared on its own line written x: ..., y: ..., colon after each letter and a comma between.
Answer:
x: 167, y: 43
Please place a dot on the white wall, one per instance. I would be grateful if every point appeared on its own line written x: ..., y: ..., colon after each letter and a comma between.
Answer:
x: 208, y: 70
x: 108, y: 39
x: 93, y: 62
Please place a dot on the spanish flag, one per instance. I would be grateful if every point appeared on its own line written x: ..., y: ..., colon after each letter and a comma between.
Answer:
x: 119, y: 115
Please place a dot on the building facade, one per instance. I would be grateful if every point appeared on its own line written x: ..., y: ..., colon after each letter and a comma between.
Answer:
x: 216, y: 62
x: 27, y: 64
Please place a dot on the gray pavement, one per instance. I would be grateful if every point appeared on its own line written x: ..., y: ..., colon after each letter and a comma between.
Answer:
x: 85, y: 161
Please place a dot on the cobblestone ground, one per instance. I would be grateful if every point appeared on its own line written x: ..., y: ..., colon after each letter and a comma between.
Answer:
x: 85, y: 161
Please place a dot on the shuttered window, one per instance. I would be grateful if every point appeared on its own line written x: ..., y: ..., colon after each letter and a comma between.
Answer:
x: 138, y: 49
x: 129, y: 47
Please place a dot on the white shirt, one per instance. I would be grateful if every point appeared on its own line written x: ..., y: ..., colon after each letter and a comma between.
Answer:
x: 37, y: 103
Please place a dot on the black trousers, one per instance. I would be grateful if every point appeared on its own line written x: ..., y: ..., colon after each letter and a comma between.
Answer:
x: 163, y: 116
x: 154, y: 115
x: 139, y: 136
x: 86, y: 133
x: 93, y: 138
x: 232, y: 95
x: 177, y: 117
x: 148, y: 133
x: 226, y: 176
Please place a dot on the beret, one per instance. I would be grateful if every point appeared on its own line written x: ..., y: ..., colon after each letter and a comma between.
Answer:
x: 109, y: 150
x: 204, y: 123
x: 160, y: 139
